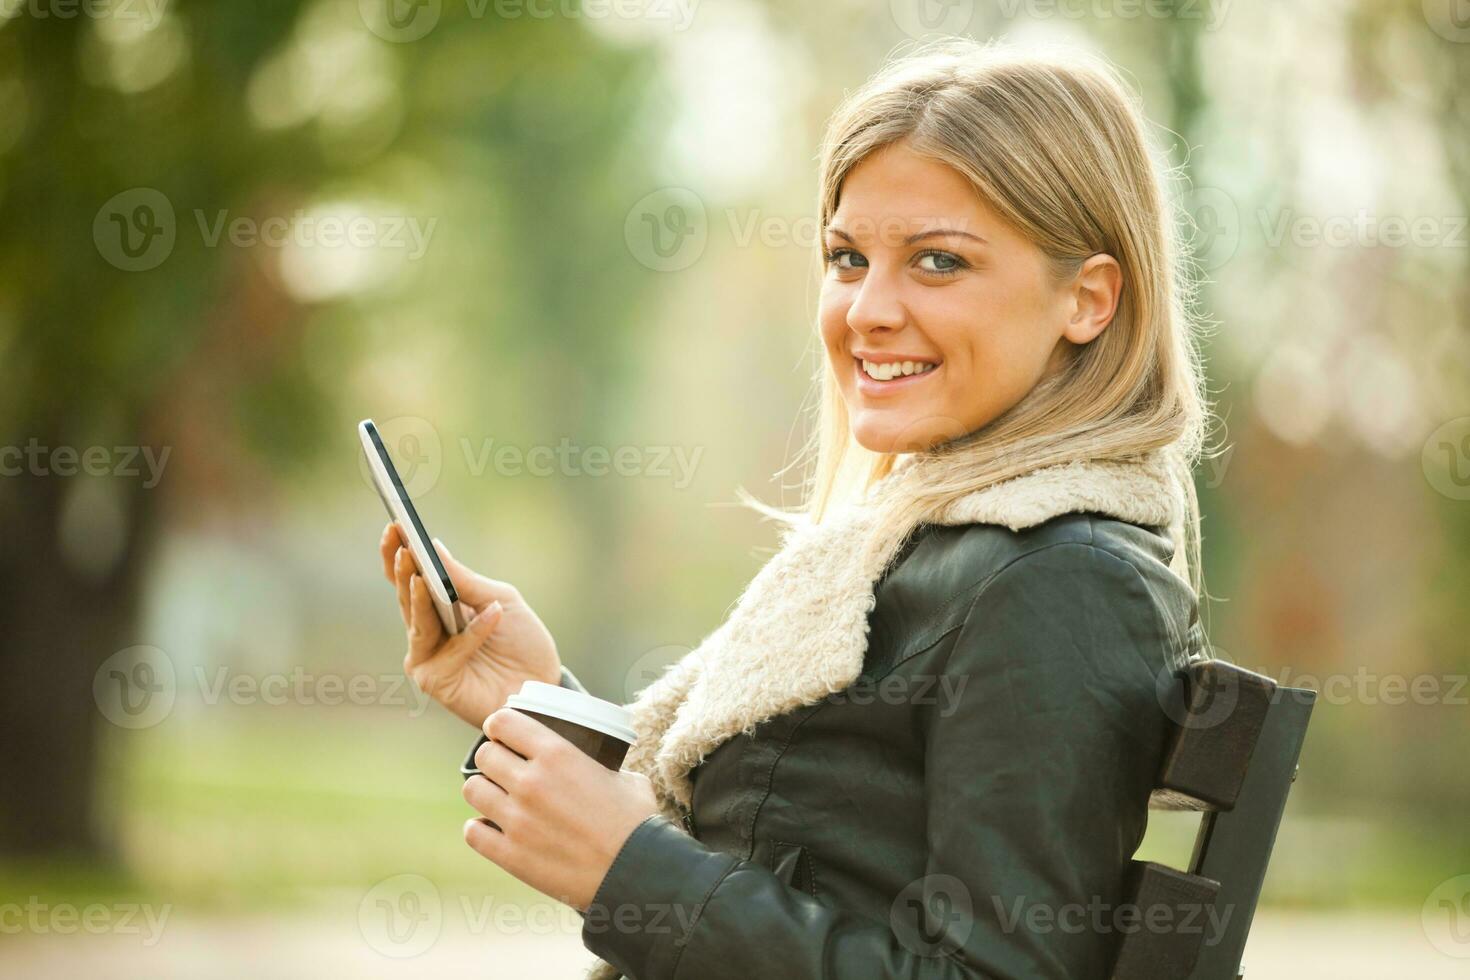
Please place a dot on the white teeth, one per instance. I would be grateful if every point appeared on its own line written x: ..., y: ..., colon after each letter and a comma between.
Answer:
x: 892, y: 369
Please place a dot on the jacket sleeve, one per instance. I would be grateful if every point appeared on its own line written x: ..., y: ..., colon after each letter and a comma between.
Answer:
x: 568, y: 679
x: 1037, y: 782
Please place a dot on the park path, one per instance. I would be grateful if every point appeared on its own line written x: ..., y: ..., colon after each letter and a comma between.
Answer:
x: 1284, y: 946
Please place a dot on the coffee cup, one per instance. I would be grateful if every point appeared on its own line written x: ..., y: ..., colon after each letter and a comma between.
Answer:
x: 599, y: 728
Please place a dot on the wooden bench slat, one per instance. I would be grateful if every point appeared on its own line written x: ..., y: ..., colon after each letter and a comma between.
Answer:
x: 1163, y: 940
x: 1218, y: 710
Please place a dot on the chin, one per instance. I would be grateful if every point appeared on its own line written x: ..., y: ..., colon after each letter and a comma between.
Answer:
x: 909, y: 434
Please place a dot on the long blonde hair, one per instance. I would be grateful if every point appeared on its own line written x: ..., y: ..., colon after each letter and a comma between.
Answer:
x: 1056, y: 145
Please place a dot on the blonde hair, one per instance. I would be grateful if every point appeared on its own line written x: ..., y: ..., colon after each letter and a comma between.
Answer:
x: 1056, y: 145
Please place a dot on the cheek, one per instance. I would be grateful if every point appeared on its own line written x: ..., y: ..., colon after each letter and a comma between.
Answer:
x: 993, y: 342
x: 832, y: 320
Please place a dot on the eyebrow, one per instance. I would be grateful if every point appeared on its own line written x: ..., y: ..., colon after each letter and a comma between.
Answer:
x: 912, y: 239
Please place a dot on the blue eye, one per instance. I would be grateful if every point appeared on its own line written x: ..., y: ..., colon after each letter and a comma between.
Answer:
x: 845, y: 258
x: 942, y: 263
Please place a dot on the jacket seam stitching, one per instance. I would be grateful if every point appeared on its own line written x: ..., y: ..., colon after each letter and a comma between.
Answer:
x: 1089, y: 545
x: 930, y: 625
x: 1156, y: 614
x: 1160, y: 618
x: 770, y: 774
x: 924, y: 642
x: 698, y: 914
x: 984, y: 582
x: 622, y: 851
x: 803, y: 854
x: 926, y: 648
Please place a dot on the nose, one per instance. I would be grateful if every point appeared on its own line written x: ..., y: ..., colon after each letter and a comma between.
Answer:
x: 877, y: 307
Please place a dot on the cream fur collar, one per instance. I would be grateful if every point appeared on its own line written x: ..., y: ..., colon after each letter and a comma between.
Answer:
x: 800, y: 628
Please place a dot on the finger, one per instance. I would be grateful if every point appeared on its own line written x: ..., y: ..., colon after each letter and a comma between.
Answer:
x: 485, y: 838
x: 485, y: 796
x: 500, y: 765
x: 388, y: 547
x: 521, y: 734
x: 424, y: 629
x: 473, y: 588
x: 403, y: 570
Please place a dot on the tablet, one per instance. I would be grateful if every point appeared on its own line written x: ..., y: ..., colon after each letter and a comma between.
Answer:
x: 402, y: 512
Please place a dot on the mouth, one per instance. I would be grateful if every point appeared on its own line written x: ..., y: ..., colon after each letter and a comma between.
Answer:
x: 889, y: 377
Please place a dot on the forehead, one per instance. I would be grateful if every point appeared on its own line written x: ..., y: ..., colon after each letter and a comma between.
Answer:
x: 895, y: 184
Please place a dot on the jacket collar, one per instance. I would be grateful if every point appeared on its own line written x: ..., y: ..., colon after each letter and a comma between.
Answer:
x: 799, y: 630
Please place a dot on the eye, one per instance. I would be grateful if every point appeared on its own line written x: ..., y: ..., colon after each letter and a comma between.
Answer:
x: 845, y: 259
x: 939, y: 263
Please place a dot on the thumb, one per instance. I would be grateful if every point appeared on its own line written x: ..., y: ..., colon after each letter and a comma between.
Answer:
x: 484, y: 623
x: 473, y: 588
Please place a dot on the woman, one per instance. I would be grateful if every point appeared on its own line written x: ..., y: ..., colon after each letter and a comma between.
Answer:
x: 922, y: 744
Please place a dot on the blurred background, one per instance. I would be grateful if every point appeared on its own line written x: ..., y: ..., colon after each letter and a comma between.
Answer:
x: 564, y: 252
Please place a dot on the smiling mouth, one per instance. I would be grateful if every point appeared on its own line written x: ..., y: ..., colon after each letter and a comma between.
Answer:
x: 889, y: 372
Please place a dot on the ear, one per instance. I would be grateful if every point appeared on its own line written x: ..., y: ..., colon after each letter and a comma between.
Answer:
x: 1095, y: 293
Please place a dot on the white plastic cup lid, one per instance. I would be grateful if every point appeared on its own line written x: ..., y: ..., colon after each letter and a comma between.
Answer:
x: 575, y: 707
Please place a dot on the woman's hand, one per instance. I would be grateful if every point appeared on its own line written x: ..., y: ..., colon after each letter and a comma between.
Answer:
x: 561, y: 816
x: 503, y: 646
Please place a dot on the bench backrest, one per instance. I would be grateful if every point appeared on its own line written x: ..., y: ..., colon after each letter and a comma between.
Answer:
x: 1233, y: 755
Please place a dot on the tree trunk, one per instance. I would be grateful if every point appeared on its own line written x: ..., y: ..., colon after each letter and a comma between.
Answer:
x: 60, y: 623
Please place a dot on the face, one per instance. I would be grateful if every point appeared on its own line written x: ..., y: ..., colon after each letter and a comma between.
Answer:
x: 937, y: 315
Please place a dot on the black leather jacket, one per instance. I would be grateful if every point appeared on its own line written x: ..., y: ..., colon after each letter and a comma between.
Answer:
x: 966, y: 809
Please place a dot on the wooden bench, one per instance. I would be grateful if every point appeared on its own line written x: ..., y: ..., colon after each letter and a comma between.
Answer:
x: 1233, y: 756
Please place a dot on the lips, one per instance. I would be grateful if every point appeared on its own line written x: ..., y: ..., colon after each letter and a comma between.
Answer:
x: 879, y: 387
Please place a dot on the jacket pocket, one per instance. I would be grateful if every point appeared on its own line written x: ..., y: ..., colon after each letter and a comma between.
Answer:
x: 793, y: 865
